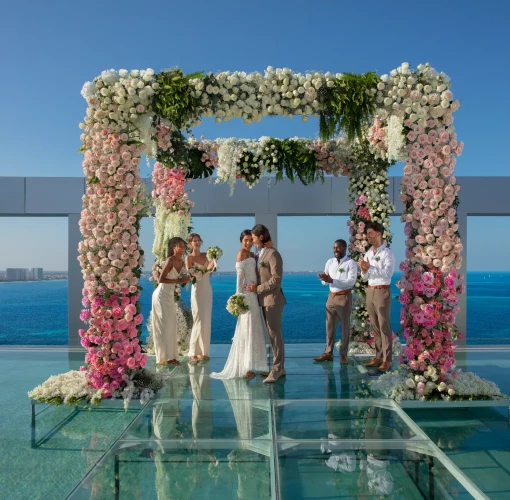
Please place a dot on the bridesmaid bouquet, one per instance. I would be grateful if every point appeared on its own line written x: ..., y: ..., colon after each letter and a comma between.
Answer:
x: 237, y: 304
x: 214, y: 253
x: 196, y: 273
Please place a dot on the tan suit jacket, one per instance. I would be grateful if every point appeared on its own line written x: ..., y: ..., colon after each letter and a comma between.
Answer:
x: 269, y: 273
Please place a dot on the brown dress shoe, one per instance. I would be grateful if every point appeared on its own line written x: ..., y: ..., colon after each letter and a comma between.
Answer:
x: 385, y: 367
x: 374, y: 362
x: 324, y: 357
x: 344, y: 360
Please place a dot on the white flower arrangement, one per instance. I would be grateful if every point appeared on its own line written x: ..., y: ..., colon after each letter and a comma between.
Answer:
x: 396, y: 139
x: 73, y: 388
x: 229, y: 154
x: 70, y: 388
x: 237, y: 304
x: 214, y: 253
x: 405, y: 384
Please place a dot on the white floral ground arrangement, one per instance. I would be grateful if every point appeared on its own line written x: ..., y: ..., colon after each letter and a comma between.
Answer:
x: 73, y: 388
x: 366, y: 123
x: 456, y: 385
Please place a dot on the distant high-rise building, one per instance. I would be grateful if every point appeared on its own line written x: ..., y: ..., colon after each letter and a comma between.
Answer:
x: 37, y: 273
x: 17, y: 274
x: 12, y: 274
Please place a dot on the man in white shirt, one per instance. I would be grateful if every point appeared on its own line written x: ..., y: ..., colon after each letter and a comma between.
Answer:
x: 340, y: 273
x: 378, y: 267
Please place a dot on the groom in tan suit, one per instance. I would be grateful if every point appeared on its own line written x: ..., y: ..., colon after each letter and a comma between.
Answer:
x: 270, y: 294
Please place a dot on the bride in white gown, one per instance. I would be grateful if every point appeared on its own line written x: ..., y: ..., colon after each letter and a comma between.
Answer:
x: 248, y: 352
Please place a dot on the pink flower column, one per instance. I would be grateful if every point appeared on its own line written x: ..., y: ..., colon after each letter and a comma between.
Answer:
x: 429, y: 287
x: 111, y: 258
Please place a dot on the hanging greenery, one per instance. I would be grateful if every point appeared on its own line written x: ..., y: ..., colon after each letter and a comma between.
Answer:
x: 174, y: 98
x: 348, y: 106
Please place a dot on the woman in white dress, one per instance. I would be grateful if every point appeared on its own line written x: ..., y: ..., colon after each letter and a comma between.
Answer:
x: 164, y: 318
x: 201, y: 302
x: 248, y: 352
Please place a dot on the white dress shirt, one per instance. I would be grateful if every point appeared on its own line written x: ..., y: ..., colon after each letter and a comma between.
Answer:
x: 382, y: 265
x: 344, y: 279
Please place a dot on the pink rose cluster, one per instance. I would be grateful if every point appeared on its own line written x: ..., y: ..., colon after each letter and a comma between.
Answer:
x: 429, y: 287
x: 110, y: 257
x: 209, y: 151
x: 169, y: 188
x: 328, y: 158
x: 164, y: 137
x: 377, y: 135
x: 360, y: 216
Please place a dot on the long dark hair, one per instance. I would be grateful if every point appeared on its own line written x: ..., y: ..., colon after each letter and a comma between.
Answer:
x: 172, y: 243
x: 246, y: 232
x: 262, y: 232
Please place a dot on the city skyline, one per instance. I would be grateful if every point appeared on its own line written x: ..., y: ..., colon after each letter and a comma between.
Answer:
x: 320, y: 230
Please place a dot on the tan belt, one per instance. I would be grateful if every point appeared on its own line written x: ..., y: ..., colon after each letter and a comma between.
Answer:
x: 343, y: 292
x: 378, y: 287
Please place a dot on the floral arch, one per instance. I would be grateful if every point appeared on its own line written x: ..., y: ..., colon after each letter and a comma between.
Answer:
x: 405, y: 115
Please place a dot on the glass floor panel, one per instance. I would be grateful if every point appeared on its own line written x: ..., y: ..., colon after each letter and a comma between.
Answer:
x: 476, y: 440
x: 201, y: 419
x: 189, y: 469
x: 372, y: 470
x: 332, y: 421
x: 319, y: 432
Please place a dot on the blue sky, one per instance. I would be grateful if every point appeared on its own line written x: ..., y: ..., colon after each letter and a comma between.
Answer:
x: 50, y: 49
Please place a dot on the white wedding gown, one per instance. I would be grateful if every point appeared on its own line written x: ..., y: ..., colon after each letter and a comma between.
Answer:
x: 248, y: 351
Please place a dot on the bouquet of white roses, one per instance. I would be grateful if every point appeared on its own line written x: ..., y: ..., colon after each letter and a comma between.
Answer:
x: 214, y: 253
x: 237, y: 304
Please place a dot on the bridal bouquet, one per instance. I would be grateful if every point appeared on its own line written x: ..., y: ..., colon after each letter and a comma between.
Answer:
x: 237, y: 304
x: 214, y: 253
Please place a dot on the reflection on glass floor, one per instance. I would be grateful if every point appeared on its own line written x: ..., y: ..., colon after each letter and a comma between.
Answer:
x: 208, y: 438
x: 320, y: 432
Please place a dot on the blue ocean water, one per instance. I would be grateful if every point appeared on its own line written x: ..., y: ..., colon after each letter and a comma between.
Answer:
x: 35, y: 313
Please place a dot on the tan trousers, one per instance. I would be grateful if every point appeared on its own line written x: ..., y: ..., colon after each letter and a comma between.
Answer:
x: 379, y: 308
x: 273, y: 316
x: 338, y: 308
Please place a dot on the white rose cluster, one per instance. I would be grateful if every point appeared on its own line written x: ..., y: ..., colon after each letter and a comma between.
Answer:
x: 414, y: 97
x: 70, y: 388
x: 250, y: 96
x: 404, y: 384
x: 118, y: 100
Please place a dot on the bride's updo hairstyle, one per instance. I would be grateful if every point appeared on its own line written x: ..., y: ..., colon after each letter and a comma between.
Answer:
x: 246, y: 232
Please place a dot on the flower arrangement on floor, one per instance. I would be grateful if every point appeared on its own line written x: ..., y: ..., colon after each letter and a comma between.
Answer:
x: 456, y: 385
x: 73, y: 388
x: 237, y: 304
